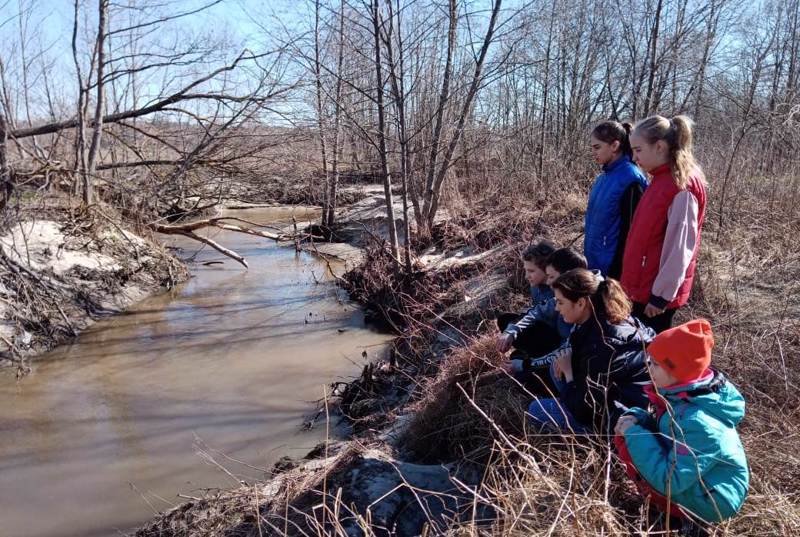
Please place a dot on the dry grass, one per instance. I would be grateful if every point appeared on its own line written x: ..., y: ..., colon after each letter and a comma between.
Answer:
x: 445, y: 427
x: 467, y: 410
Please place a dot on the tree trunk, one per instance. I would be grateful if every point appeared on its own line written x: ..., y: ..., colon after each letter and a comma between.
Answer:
x: 648, y: 100
x: 6, y: 186
x: 444, y: 97
x: 94, y: 148
x: 545, y: 91
x: 334, y: 183
x: 398, y: 92
x: 465, y: 110
x: 320, y: 119
x: 384, y: 162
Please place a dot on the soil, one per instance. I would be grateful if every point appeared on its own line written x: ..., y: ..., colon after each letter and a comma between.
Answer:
x: 62, y: 270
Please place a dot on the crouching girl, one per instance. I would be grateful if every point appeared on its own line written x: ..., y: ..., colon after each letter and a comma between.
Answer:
x: 687, y: 456
x: 602, y: 366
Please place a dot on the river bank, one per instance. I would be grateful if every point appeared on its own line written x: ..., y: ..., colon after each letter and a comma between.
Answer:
x: 195, y: 389
x: 64, y: 268
x: 440, y: 442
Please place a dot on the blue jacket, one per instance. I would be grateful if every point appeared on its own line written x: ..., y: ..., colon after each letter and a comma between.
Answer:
x: 699, y: 450
x: 603, y: 221
x: 541, y: 294
x: 542, y: 312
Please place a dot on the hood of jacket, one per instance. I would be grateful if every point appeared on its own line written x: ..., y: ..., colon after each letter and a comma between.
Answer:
x: 715, y: 396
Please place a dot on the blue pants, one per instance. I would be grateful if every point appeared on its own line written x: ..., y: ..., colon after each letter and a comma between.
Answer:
x: 547, y: 413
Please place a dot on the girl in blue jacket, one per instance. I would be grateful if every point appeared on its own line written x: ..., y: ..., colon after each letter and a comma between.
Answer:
x: 613, y: 198
x: 688, y: 457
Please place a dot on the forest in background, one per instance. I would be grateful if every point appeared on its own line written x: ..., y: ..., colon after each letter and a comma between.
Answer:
x: 475, y: 114
x: 439, y: 100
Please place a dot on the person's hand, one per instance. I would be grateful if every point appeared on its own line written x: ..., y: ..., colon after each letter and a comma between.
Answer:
x: 624, y: 423
x: 651, y: 310
x: 504, y: 342
x: 563, y: 363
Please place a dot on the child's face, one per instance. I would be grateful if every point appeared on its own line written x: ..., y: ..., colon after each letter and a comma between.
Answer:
x: 603, y: 152
x: 534, y: 274
x: 552, y: 275
x: 649, y: 156
x: 572, y: 312
x: 661, y: 377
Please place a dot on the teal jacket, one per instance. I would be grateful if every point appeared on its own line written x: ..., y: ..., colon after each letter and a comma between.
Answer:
x: 699, y: 450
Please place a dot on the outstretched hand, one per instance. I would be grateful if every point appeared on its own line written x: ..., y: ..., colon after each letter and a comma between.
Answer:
x: 504, y: 342
x: 563, y: 363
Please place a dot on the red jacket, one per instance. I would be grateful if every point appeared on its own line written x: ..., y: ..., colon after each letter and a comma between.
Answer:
x: 642, y: 260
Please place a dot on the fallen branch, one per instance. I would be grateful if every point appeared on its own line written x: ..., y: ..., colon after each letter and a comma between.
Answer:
x: 188, y: 230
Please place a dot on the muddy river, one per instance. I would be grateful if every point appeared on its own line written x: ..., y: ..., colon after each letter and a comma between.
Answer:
x: 189, y: 390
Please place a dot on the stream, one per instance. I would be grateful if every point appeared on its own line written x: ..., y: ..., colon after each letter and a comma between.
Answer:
x: 192, y: 389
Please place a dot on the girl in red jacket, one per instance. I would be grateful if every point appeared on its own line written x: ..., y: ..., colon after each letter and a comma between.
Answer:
x: 658, y: 266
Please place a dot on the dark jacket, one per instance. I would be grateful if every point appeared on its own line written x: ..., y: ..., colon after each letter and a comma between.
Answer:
x: 542, y: 312
x: 608, y: 365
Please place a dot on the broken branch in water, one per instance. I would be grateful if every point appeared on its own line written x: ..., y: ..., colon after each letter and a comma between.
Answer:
x: 188, y: 230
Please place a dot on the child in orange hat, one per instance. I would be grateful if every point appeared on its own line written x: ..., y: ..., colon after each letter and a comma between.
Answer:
x: 687, y: 456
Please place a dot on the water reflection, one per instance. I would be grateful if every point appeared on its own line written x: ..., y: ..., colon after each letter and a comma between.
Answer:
x: 105, y: 431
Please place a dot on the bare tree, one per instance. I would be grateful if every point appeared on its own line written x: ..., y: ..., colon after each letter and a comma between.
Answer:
x: 381, y: 113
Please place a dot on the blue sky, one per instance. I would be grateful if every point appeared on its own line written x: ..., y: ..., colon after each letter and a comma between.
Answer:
x: 229, y: 27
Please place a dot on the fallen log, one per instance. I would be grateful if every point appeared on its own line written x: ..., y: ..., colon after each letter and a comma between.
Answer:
x: 189, y: 229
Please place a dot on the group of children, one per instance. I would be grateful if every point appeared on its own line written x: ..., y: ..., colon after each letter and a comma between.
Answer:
x: 597, y: 348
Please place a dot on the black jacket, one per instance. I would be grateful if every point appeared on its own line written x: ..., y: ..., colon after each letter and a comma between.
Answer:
x: 608, y: 364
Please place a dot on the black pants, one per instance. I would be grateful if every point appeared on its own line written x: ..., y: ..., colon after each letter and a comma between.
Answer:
x: 659, y: 323
x: 535, y: 341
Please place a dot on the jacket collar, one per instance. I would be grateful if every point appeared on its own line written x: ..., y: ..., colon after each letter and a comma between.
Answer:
x: 686, y: 387
x: 611, y: 166
x: 662, y: 171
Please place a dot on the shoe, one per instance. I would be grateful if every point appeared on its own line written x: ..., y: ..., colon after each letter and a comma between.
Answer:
x: 690, y: 528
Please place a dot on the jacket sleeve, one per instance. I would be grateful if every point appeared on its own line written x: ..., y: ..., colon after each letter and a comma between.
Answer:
x: 661, y: 459
x: 585, y: 396
x: 679, y: 245
x: 627, y: 206
x: 643, y: 417
x: 539, y: 312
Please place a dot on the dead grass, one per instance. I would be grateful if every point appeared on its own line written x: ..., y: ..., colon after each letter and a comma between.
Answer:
x: 445, y: 427
x: 466, y: 409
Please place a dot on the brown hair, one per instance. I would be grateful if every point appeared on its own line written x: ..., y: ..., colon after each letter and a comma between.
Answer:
x: 606, y: 295
x: 614, y: 131
x: 538, y: 253
x: 677, y: 133
x: 565, y: 259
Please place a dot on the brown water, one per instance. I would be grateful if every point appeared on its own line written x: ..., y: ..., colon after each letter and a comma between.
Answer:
x: 107, y: 431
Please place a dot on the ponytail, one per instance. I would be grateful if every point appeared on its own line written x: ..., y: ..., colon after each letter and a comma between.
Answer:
x: 614, y: 131
x: 615, y: 302
x: 681, y: 152
x: 677, y: 133
x: 605, y: 294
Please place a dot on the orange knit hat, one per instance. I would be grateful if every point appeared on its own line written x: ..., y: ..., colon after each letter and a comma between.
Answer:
x: 684, y: 351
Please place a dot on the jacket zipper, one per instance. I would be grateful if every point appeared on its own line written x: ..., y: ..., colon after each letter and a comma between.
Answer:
x: 644, y: 260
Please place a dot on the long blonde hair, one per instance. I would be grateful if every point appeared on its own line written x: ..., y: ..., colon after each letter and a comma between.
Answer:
x: 677, y: 133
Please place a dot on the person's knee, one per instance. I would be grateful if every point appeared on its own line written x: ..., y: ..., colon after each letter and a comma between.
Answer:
x: 540, y: 410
